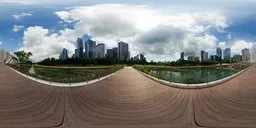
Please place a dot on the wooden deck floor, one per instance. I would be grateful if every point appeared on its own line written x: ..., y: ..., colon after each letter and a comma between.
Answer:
x: 126, y: 100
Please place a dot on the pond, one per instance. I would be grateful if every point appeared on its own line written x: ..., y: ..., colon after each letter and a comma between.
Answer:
x: 192, y: 75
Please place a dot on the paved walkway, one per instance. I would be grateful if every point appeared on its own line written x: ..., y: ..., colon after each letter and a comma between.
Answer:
x: 32, y: 70
x: 126, y: 100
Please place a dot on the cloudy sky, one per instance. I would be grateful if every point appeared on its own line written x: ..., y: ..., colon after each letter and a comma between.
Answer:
x: 159, y: 29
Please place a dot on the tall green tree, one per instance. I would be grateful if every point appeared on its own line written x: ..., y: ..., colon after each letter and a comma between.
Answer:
x: 23, y: 56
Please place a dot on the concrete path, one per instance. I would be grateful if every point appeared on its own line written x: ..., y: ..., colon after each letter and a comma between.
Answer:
x: 32, y: 70
x: 126, y: 100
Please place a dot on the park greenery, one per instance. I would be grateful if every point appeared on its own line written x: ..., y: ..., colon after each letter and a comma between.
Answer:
x: 23, y: 68
x: 74, y: 70
x: 74, y: 75
x: 110, y: 61
x: 88, y: 61
x: 23, y: 57
x: 67, y: 74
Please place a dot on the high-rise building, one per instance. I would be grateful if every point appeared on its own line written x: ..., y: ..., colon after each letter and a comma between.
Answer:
x: 142, y: 57
x: 204, y: 56
x: 115, y: 53
x: 237, y: 58
x: 80, y: 50
x: 254, y: 54
x: 123, y: 51
x: 76, y: 53
x: 110, y: 53
x: 182, y: 56
x: 86, y: 49
x: 136, y: 58
x: 219, y: 53
x: 99, y: 51
x: 197, y: 58
x: 86, y: 37
x: 191, y: 58
x: 90, y: 45
x: 64, y: 54
x: 245, y: 55
x: 139, y: 57
x: 227, y: 54
x: 214, y: 57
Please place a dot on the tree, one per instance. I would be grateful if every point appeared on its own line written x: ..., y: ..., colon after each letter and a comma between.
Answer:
x: 23, y: 56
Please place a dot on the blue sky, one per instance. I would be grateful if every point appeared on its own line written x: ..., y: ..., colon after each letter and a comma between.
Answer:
x: 44, y: 27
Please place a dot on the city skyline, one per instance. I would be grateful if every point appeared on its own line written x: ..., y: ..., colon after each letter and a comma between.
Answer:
x: 88, y: 48
x: 222, y: 54
x: 160, y: 30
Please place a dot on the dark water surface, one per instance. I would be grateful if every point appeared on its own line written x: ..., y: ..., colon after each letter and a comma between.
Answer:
x: 193, y: 75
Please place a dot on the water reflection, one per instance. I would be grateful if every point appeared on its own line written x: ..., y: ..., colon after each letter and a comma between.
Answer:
x: 193, y: 76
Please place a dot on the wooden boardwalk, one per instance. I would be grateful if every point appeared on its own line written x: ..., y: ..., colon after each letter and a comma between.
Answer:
x: 126, y: 100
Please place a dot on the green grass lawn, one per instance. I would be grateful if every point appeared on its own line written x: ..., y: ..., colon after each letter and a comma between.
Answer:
x: 21, y: 67
x: 68, y: 75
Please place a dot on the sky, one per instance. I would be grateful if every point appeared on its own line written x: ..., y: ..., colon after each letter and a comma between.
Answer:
x: 159, y: 29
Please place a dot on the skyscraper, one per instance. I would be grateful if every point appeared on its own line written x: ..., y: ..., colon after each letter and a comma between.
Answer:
x: 86, y: 48
x: 197, y: 58
x: 76, y: 53
x: 99, y: 51
x: 90, y: 45
x: 115, y: 53
x: 182, y: 56
x: 142, y: 57
x: 191, y: 58
x: 204, y: 56
x: 86, y: 37
x: 227, y: 54
x: 123, y: 51
x: 213, y: 57
x: 110, y: 53
x: 237, y: 58
x: 79, y: 51
x: 219, y: 53
x: 64, y: 54
x: 245, y: 55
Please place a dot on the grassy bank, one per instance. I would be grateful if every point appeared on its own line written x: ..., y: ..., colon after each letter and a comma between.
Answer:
x: 66, y: 74
x: 23, y: 68
x: 192, y: 74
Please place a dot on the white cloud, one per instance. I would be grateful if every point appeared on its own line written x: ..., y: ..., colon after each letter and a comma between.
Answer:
x: 23, y: 2
x: 17, y: 28
x: 29, y: 2
x: 239, y: 45
x: 22, y: 15
x: 38, y: 41
x: 146, y: 30
x: 184, y: 2
x: 222, y: 45
x: 168, y: 40
x: 132, y: 23
x: 1, y: 42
